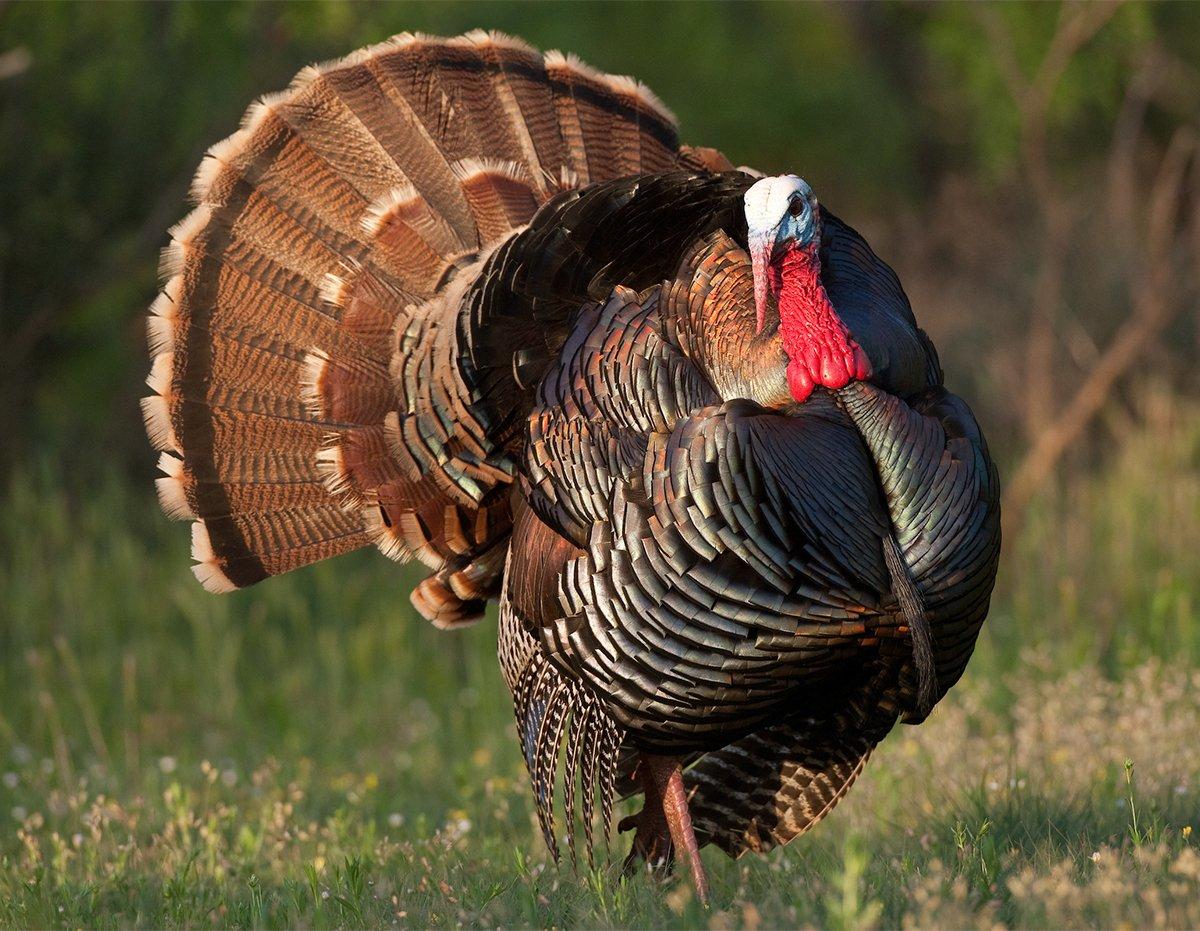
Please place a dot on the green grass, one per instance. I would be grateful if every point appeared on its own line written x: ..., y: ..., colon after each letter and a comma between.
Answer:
x: 309, y: 753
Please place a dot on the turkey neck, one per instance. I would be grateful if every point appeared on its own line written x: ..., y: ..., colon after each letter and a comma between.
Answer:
x: 819, y: 348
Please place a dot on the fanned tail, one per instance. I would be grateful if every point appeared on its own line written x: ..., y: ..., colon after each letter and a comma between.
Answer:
x: 308, y: 392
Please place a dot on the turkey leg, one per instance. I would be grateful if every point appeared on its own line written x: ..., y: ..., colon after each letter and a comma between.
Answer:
x: 664, y: 824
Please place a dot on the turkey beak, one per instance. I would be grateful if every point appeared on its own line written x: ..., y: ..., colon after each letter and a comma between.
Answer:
x: 760, y: 260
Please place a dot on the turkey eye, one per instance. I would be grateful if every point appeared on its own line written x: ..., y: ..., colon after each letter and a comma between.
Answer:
x: 796, y: 207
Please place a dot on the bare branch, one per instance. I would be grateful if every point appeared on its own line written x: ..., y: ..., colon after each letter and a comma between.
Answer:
x: 1005, y: 52
x: 1127, y: 132
x: 1153, y: 309
x: 1078, y: 24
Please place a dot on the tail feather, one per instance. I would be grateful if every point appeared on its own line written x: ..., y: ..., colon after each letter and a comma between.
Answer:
x: 409, y: 238
x: 581, y: 93
x: 308, y: 389
x: 559, y: 70
x: 519, y: 76
x: 356, y: 464
x: 501, y: 195
x: 209, y: 428
x: 491, y: 132
x: 327, y: 107
x: 348, y: 390
x: 438, y: 128
x: 270, y: 158
x: 244, y: 467
x: 194, y: 496
x: 394, y: 138
x: 243, y: 548
x: 653, y: 127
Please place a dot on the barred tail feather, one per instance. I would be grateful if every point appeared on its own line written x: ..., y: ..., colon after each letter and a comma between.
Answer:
x: 772, y: 786
x: 306, y: 331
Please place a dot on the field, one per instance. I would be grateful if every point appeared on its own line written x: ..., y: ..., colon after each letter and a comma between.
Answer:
x: 310, y: 754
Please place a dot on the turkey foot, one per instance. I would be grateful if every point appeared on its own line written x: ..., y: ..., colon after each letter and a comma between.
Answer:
x: 664, y: 824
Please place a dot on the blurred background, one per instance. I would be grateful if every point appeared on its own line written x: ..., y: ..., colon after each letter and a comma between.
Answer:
x: 1030, y: 170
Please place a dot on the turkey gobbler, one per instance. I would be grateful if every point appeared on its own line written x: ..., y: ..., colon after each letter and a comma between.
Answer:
x: 477, y: 306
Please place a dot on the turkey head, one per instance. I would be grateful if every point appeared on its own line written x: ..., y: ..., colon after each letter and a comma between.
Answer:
x: 783, y: 229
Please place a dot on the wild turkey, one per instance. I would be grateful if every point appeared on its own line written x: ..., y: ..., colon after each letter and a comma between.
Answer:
x: 477, y: 306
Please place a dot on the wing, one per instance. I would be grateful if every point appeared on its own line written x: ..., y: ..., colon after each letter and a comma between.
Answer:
x: 630, y: 232
x: 943, y: 498
x: 771, y: 786
x: 942, y: 494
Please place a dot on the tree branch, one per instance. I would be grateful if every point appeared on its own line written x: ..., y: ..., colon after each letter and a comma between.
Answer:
x: 1153, y: 309
x: 1032, y: 97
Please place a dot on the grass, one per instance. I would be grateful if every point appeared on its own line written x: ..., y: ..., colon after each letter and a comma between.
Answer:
x: 310, y: 754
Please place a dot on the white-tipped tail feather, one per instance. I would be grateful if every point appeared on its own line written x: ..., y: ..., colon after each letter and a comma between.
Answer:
x: 625, y: 86
x: 335, y: 235
x: 312, y: 377
x: 159, y: 378
x: 569, y: 61
x: 171, y: 493
x: 164, y: 318
x: 207, y: 569
x: 217, y: 158
x: 379, y: 213
x: 386, y: 538
x: 482, y: 38
x: 468, y: 168
x: 174, y: 256
x: 157, y: 418
x: 331, y: 466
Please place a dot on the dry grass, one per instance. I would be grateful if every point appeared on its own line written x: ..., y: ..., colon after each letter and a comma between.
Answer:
x: 1024, y: 816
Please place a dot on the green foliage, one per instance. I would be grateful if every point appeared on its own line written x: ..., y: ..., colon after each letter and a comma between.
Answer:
x: 971, y: 68
x: 100, y: 134
x: 1103, y: 550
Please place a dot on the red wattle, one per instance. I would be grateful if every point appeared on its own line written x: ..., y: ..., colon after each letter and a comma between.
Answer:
x: 799, y: 382
x: 819, y: 347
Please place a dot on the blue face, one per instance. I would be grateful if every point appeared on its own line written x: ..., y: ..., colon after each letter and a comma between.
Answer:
x: 780, y: 210
x: 799, y: 221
